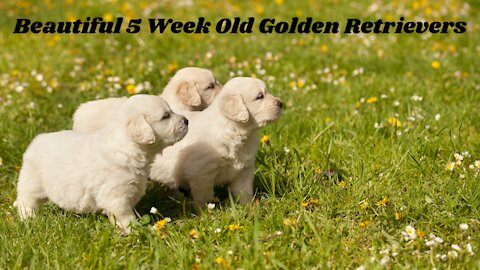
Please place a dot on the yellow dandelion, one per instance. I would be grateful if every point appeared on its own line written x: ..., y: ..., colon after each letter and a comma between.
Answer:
x: 131, y: 89
x: 398, y: 215
x: 311, y: 202
x: 220, y: 261
x: 383, y: 202
x: 318, y: 170
x: 298, y: 13
x: 234, y: 227
x: 393, y: 121
x: 327, y: 120
x: 324, y: 48
x: 17, y: 168
x: 108, y: 17
x: 195, y: 267
x: 259, y: 9
x: 420, y: 233
x: 289, y: 222
x: 1, y: 161
x: 364, y: 224
x: 301, y: 83
x: 364, y: 205
x: 194, y: 234
x: 265, y: 139
x: 435, y: 65
x: 372, y: 100
x: 342, y: 184
x: 292, y: 85
x: 279, y: 2
x: 172, y: 67
x: 159, y: 225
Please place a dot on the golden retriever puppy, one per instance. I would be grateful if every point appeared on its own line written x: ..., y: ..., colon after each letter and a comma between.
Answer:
x: 105, y: 171
x: 221, y: 144
x: 190, y: 89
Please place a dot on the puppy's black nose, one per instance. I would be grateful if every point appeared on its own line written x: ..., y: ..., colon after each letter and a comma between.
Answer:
x: 185, y: 121
x: 279, y: 103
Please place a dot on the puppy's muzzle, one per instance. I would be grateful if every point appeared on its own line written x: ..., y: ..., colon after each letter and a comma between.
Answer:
x: 182, y: 129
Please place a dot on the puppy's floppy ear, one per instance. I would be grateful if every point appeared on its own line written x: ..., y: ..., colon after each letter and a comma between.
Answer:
x: 233, y: 108
x: 139, y: 131
x: 188, y: 94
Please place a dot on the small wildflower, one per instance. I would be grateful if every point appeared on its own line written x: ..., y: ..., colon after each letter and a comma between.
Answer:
x: 217, y: 230
x: 234, y: 227
x: 364, y: 224
x: 393, y: 121
x: 310, y: 203
x: 259, y: 9
x: 456, y: 247
x: 470, y: 249
x: 458, y: 157
x: 265, y: 139
x: 289, y: 222
x: 172, y: 67
x: 450, y: 166
x: 194, y: 234
x: 301, y: 83
x: 211, y: 206
x: 410, y: 233
x: 364, y: 204
x: 131, y: 89
x: 420, y: 233
x: 398, y: 215
x: 477, y: 163
x: 286, y: 150
x: 220, y: 261
x: 168, y: 220
x: 452, y: 254
x: 385, y: 260
x: 372, y: 100
x: 437, y: 117
x: 463, y: 227
x: 1, y: 161
x: 153, y: 210
x: 383, y: 202
x: 396, y: 103
x: 159, y: 225
x: 435, y: 64
x: 324, y: 48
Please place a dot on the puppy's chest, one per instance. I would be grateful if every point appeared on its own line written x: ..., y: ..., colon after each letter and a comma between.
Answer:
x: 233, y: 162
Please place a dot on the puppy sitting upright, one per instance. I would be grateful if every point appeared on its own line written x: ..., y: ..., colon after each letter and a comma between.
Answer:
x: 104, y: 171
x: 190, y: 89
x: 221, y: 144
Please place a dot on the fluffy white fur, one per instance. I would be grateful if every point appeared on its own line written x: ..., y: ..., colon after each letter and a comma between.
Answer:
x: 221, y: 144
x: 190, y: 89
x: 105, y: 171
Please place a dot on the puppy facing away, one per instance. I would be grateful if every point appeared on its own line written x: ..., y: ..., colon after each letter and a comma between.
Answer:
x: 221, y: 144
x: 190, y: 89
x: 105, y: 171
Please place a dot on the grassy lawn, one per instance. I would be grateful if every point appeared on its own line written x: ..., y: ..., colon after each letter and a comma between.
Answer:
x: 379, y: 132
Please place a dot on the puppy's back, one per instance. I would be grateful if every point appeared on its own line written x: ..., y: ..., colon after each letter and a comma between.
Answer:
x: 94, y: 115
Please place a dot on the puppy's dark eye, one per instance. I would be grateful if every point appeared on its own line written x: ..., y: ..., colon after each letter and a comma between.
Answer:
x: 166, y: 115
x: 260, y: 96
x: 211, y: 86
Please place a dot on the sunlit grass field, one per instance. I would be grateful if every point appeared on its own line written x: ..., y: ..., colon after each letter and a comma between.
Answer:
x: 373, y: 165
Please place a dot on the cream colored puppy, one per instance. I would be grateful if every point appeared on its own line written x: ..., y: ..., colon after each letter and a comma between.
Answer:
x: 221, y: 144
x: 190, y: 89
x: 106, y: 171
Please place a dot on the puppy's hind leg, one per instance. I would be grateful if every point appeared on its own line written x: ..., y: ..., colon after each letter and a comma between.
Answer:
x: 30, y: 193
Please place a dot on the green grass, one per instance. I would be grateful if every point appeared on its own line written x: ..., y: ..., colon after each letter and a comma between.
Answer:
x: 364, y: 185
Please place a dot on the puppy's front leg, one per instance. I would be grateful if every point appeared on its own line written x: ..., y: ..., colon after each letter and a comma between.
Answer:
x: 121, y: 216
x: 242, y: 186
